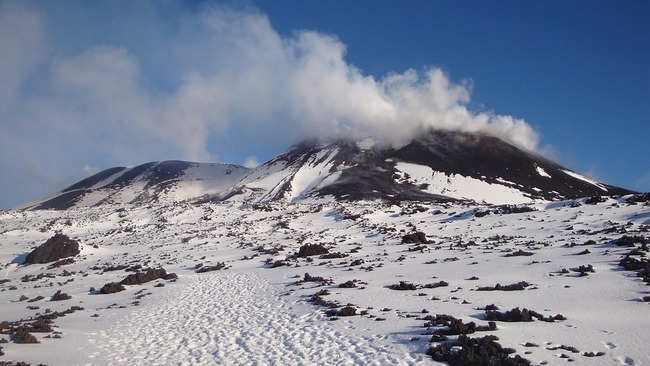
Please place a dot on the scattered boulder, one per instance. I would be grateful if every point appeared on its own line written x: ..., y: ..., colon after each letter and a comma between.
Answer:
x: 57, y: 247
x: 594, y: 200
x: 436, y: 284
x: 308, y: 250
x: 310, y: 278
x: 22, y: 335
x: 630, y: 241
x: 584, y: 269
x: 519, y: 253
x: 318, y: 299
x: 278, y: 263
x: 448, y: 325
x: 217, y: 267
x: 415, y: 238
x: 519, y: 286
x: 516, y: 315
x: 346, y: 311
x: 151, y: 274
x: 60, y: 296
x: 504, y: 210
x: 475, y: 352
x: 638, y: 198
x: 41, y: 325
x: 37, y: 298
x: 60, y: 263
x: 111, y: 288
x: 593, y: 354
x: 403, y: 286
x: 336, y: 255
x: 348, y: 284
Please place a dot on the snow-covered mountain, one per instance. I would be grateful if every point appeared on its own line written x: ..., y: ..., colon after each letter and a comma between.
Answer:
x: 164, y: 181
x: 437, y: 166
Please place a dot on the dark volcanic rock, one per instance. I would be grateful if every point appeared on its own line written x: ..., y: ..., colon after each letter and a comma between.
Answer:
x: 418, y: 237
x: 144, y: 277
x: 475, y: 351
x: 57, y: 247
x: 308, y: 250
x: 217, y: 267
x: 111, y: 288
x: 403, y: 286
x: 60, y: 296
x: 346, y: 311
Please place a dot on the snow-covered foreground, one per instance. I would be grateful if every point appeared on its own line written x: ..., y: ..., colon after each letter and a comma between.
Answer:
x: 259, y: 308
x: 239, y: 318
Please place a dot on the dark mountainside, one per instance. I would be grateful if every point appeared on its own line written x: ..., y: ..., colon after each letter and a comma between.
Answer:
x: 478, y: 156
x: 371, y: 173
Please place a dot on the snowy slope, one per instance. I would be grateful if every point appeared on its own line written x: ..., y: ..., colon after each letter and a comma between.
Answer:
x: 257, y: 309
x: 292, y: 175
x: 167, y: 181
x: 458, y: 186
x: 437, y: 166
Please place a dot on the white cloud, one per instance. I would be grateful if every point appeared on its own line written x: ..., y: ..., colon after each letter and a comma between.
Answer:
x: 91, y: 170
x: 228, y: 79
x: 22, y: 43
x: 251, y: 162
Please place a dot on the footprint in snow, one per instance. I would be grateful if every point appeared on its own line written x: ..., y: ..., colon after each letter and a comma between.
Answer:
x: 610, y: 345
x: 627, y: 361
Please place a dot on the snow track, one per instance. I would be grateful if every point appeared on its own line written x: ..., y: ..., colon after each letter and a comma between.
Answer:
x: 238, y: 318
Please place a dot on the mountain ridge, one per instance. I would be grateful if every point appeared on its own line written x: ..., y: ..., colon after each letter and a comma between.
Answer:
x: 449, y: 164
x: 146, y: 183
x: 436, y: 166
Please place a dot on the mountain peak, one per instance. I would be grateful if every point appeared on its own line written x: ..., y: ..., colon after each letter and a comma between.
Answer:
x: 436, y: 165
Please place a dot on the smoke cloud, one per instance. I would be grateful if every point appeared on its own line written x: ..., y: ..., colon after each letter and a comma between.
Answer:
x: 193, y: 86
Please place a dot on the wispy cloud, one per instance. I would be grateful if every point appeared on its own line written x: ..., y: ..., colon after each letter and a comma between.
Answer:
x: 251, y: 162
x: 220, y: 76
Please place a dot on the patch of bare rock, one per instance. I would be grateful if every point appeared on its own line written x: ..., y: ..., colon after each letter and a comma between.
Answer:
x: 57, y: 247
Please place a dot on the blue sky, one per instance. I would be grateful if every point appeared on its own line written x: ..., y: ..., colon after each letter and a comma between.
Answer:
x: 86, y: 86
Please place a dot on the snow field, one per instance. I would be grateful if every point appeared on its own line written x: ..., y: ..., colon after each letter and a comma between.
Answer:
x: 460, y: 187
x: 226, y: 317
x: 251, y: 313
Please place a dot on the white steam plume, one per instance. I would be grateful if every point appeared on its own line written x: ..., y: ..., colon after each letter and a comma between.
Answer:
x: 223, y: 77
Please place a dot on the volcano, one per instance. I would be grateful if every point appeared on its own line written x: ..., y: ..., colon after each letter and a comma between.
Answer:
x: 436, y: 166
